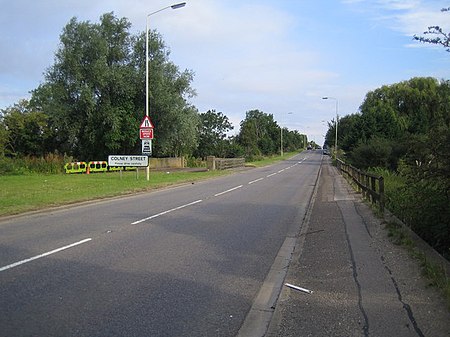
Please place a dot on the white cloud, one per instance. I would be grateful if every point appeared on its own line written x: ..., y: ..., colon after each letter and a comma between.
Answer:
x: 409, y: 17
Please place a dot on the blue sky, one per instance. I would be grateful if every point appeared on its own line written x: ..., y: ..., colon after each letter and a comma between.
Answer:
x: 279, y: 56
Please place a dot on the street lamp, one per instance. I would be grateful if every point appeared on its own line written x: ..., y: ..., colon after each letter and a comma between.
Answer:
x: 147, y: 103
x: 337, y: 117
x: 281, y: 134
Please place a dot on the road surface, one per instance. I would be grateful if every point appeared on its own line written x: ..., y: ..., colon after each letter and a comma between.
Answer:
x: 184, y: 261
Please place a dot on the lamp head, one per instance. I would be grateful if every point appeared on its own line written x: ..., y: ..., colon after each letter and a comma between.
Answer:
x: 176, y: 6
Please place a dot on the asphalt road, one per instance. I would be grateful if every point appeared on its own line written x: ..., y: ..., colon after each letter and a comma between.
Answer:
x: 185, y: 261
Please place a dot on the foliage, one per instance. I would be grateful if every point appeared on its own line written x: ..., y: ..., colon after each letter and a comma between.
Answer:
x: 440, y: 37
x: 404, y: 128
x: 376, y: 152
x: 24, y: 131
x: 212, y: 133
x: 260, y: 135
x: 94, y: 93
x: 49, y: 164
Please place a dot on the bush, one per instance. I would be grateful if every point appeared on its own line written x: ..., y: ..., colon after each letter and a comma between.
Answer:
x: 49, y: 164
x: 194, y: 162
x: 422, y: 205
x: 376, y: 152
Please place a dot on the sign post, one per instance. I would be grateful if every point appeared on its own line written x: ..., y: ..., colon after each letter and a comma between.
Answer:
x: 146, y: 135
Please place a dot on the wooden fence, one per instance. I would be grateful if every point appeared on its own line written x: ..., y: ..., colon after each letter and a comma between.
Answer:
x: 372, y: 186
x: 214, y: 163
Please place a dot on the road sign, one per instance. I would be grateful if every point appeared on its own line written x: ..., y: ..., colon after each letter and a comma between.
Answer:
x: 147, y: 147
x: 146, y: 133
x: 127, y: 160
x: 146, y: 123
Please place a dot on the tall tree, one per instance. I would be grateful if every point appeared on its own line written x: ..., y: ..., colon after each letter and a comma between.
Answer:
x: 259, y: 134
x: 25, y: 131
x: 213, y: 131
x: 94, y: 93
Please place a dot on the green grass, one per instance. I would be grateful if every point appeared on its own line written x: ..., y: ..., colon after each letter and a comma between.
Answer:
x: 270, y: 160
x: 23, y: 193
x: 35, y: 191
x: 434, y: 273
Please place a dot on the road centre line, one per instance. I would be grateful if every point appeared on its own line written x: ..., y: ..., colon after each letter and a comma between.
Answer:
x: 255, y: 181
x: 44, y: 254
x: 165, y: 212
x: 227, y: 191
x: 270, y: 175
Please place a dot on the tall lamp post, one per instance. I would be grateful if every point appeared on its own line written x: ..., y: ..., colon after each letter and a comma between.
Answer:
x: 335, y: 140
x: 147, y: 101
x: 281, y: 134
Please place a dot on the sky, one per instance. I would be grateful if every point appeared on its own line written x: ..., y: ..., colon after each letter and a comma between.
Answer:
x: 278, y: 56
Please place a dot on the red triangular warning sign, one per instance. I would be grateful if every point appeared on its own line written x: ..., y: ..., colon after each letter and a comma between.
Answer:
x: 146, y: 123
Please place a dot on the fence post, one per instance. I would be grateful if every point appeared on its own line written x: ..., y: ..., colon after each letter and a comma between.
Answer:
x: 211, y: 163
x: 381, y: 187
x: 373, y: 189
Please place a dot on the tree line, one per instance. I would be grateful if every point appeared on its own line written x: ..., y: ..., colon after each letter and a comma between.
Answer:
x: 403, y: 131
x: 92, y: 101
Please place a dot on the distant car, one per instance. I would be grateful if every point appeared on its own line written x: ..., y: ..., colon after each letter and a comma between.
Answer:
x: 326, y: 151
x: 309, y: 147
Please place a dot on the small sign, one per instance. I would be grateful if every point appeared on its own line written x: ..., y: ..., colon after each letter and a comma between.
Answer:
x: 147, y: 147
x: 146, y: 123
x: 146, y: 133
x: 127, y: 160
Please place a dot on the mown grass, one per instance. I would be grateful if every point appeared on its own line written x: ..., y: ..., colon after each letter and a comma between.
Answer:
x: 22, y: 193
x: 270, y: 160
x: 34, y: 191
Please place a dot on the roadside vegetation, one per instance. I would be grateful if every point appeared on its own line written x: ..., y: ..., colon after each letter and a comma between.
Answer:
x: 91, y: 101
x: 402, y: 132
x: 21, y: 193
x: 30, y: 190
x: 434, y: 272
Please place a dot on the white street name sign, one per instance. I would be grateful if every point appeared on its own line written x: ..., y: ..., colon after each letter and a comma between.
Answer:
x: 127, y: 160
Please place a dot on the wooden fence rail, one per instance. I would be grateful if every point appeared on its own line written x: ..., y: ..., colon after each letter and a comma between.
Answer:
x: 214, y: 163
x: 372, y: 186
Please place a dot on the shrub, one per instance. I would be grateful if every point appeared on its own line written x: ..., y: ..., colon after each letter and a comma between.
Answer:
x: 422, y: 205
x: 51, y: 163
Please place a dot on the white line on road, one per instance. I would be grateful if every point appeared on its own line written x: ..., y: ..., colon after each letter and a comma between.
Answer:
x: 165, y: 212
x: 255, y: 181
x: 270, y: 175
x: 227, y: 191
x: 45, y: 254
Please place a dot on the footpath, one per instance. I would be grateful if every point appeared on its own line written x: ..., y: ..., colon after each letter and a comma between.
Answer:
x: 361, y: 283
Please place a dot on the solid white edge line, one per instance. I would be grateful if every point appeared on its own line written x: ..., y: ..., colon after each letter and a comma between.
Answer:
x: 44, y: 254
x: 227, y: 191
x: 165, y: 212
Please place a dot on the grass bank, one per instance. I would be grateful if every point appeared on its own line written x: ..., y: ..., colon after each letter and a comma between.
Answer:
x: 22, y: 193
x: 29, y: 192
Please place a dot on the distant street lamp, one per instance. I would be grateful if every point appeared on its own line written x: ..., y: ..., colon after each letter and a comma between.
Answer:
x: 147, y: 103
x: 281, y: 134
x: 335, y: 140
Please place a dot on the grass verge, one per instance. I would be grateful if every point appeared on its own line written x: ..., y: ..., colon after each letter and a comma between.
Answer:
x: 36, y: 191
x: 432, y: 271
x: 23, y: 193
